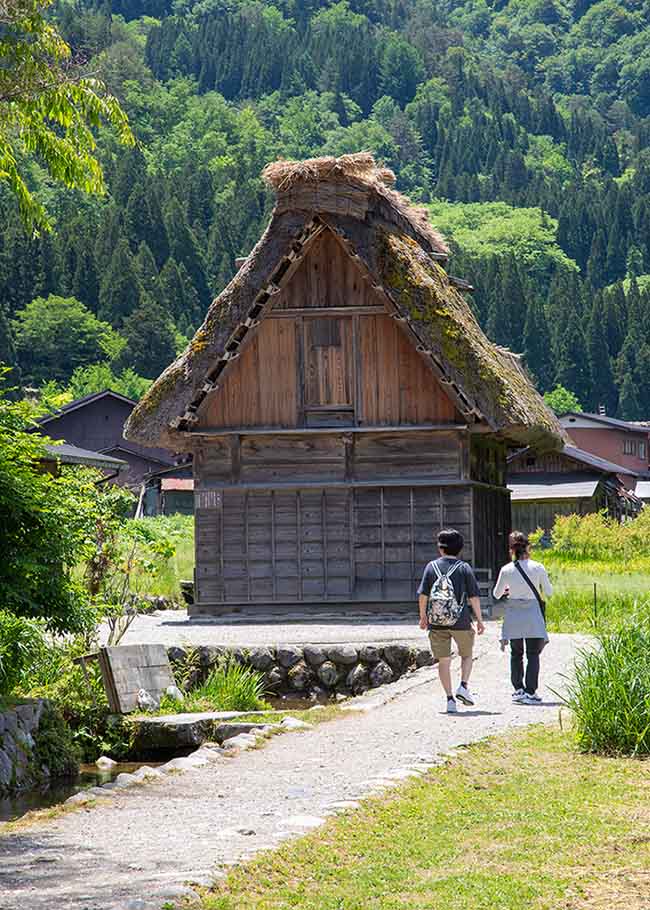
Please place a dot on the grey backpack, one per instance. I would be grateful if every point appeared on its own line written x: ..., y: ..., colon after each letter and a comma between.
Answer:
x: 443, y: 609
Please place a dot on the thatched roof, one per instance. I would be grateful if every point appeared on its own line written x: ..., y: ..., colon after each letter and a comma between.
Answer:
x: 402, y: 256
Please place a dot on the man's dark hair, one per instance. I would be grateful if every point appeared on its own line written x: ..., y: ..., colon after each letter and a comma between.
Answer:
x: 451, y: 542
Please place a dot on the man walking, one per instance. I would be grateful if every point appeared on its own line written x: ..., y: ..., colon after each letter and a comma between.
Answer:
x: 456, y: 596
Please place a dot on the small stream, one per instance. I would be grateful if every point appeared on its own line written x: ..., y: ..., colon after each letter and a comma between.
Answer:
x: 13, y: 807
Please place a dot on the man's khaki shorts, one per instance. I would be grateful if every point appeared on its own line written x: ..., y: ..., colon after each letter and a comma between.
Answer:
x: 440, y: 640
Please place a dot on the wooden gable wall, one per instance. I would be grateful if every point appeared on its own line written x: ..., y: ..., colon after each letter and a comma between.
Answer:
x: 328, y: 354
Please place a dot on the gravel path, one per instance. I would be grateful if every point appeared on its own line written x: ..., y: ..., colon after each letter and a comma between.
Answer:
x: 134, y: 852
x: 172, y: 627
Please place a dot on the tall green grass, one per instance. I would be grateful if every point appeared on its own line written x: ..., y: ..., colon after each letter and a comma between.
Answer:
x: 162, y: 576
x: 229, y: 687
x: 610, y: 696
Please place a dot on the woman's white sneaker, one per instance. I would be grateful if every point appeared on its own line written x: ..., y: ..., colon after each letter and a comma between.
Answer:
x: 519, y: 697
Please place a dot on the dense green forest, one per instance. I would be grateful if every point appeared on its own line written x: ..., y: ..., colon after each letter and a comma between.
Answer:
x: 524, y: 125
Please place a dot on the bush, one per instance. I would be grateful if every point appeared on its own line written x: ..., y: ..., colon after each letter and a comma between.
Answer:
x: 20, y: 641
x: 55, y: 746
x: 595, y: 536
x: 80, y: 699
x: 229, y: 687
x: 610, y: 697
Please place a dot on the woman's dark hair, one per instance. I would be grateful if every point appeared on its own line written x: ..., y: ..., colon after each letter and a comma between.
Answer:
x: 518, y: 543
x: 451, y: 542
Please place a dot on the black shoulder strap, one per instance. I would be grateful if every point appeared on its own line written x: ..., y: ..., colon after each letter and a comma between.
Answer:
x: 532, y: 587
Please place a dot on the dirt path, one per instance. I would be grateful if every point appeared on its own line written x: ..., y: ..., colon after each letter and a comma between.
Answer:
x: 135, y: 851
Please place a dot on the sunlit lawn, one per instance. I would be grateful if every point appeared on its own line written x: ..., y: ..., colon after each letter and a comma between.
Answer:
x: 515, y: 823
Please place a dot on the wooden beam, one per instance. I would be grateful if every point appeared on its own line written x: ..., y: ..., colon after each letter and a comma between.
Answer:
x: 424, y: 481
x: 328, y: 431
x: 328, y: 311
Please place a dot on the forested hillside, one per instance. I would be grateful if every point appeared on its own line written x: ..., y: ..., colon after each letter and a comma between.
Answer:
x: 524, y: 125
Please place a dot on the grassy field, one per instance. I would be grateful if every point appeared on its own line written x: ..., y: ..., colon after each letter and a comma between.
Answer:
x: 622, y: 589
x: 513, y: 823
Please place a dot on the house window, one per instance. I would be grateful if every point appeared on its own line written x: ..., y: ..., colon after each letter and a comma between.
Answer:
x: 328, y: 364
x: 630, y: 447
x: 642, y: 450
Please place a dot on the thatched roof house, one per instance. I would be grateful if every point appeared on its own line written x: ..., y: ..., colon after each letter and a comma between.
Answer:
x: 402, y: 256
x: 341, y: 404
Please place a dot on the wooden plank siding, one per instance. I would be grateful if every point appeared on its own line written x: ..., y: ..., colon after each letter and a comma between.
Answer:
x: 312, y: 287
x: 492, y: 522
x: 320, y: 369
x: 321, y: 544
x: 260, y: 388
x: 253, y: 458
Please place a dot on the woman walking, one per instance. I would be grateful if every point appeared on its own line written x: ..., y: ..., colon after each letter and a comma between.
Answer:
x: 523, y: 583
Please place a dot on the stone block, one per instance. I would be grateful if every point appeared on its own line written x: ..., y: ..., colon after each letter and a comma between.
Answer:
x: 288, y: 656
x: 358, y: 679
x: 328, y: 674
x: 423, y: 657
x: 345, y: 655
x: 381, y: 674
x: 300, y: 677
x: 261, y: 658
x: 314, y: 655
x: 6, y: 771
x: 275, y: 678
x: 398, y: 657
x: 370, y: 654
x: 294, y: 723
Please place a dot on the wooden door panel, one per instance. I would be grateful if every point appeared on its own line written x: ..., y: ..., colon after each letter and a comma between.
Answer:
x: 328, y: 363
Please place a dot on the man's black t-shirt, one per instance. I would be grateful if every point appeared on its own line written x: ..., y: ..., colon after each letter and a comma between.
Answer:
x: 463, y: 581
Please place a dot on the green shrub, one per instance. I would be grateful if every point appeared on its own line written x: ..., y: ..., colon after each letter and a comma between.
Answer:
x: 595, y: 536
x: 55, y: 745
x: 79, y: 698
x: 20, y: 641
x: 610, y: 696
x: 229, y: 687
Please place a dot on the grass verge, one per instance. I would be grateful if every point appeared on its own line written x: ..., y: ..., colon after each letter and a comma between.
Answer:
x: 514, y: 823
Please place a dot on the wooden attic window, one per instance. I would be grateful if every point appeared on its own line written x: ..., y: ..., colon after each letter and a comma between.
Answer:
x: 328, y: 372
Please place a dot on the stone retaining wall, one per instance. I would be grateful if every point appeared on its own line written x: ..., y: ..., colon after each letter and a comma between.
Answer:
x: 18, y: 727
x: 305, y: 669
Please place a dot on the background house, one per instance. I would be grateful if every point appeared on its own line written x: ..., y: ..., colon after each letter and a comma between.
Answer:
x: 170, y: 491
x: 342, y: 405
x: 96, y: 423
x: 618, y: 441
x: 65, y: 454
x: 570, y: 482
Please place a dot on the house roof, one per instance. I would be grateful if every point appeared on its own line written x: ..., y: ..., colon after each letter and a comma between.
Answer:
x: 68, y: 454
x: 642, y: 489
x: 625, y: 425
x: 396, y: 248
x: 86, y: 400
x: 595, y: 462
x: 587, y: 458
x: 138, y: 453
x: 525, y: 487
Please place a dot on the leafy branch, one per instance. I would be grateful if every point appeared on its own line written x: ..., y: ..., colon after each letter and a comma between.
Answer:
x: 49, y: 108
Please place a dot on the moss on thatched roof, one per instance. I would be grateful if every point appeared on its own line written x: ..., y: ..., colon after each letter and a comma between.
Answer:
x: 401, y: 254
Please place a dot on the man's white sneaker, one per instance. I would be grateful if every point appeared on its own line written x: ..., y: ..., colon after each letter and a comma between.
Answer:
x: 452, y: 707
x: 519, y: 697
x: 533, y: 699
x: 463, y: 694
